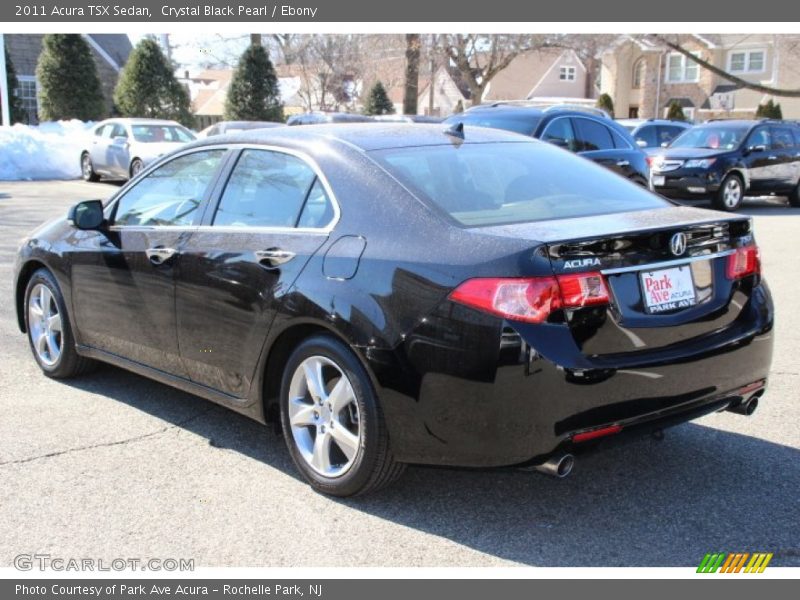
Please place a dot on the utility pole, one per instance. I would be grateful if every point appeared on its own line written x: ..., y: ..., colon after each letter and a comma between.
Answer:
x: 4, y: 91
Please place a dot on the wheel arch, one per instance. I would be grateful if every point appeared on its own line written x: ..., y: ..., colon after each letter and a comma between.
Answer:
x: 743, y: 175
x: 277, y: 352
x: 25, y: 273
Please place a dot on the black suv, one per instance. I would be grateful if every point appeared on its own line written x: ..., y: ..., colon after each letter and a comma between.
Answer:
x: 724, y: 160
x: 588, y: 132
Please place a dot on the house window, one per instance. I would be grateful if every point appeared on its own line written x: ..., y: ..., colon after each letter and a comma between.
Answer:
x: 638, y: 74
x: 681, y: 69
x: 567, y: 74
x: 746, y: 61
x: 26, y: 92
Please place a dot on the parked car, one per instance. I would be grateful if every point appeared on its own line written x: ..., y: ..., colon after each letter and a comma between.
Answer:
x: 407, y: 119
x: 587, y: 132
x: 396, y: 294
x: 654, y: 133
x: 235, y: 126
x: 725, y: 160
x: 317, y: 118
x: 121, y: 148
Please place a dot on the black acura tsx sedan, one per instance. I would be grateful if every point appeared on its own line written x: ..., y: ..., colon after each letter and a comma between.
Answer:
x: 390, y: 294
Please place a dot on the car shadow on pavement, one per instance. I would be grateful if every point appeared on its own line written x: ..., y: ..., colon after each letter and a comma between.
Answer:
x: 645, y: 503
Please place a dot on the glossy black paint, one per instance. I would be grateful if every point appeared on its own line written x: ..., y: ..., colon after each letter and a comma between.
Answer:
x: 763, y: 170
x: 624, y: 158
x: 457, y: 386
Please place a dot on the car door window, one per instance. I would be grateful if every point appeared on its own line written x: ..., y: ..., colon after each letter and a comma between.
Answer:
x: 647, y: 135
x: 318, y: 210
x: 760, y: 137
x: 266, y: 189
x: 559, y: 132
x: 118, y: 131
x: 667, y: 133
x: 593, y: 136
x: 104, y: 131
x: 782, y: 138
x: 171, y: 194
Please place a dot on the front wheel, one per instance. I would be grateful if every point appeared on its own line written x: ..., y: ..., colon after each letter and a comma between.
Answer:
x: 332, y: 421
x: 730, y: 194
x: 49, y: 329
x: 136, y: 167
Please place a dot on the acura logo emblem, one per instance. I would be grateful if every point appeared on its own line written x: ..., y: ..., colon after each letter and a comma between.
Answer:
x: 678, y: 243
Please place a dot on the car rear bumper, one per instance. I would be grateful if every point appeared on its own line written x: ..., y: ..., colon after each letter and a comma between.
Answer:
x: 529, y: 407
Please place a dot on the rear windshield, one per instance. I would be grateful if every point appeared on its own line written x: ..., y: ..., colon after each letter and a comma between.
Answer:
x: 523, y: 124
x: 499, y: 183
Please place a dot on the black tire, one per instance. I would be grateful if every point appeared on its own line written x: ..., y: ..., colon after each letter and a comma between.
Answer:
x: 373, y: 465
x: 69, y: 363
x: 136, y: 167
x: 724, y: 198
x: 87, y: 168
x: 794, y: 197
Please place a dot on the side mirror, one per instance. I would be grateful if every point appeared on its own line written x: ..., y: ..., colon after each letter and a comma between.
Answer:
x: 559, y: 142
x: 664, y: 144
x: 756, y: 148
x: 87, y: 214
x: 641, y: 143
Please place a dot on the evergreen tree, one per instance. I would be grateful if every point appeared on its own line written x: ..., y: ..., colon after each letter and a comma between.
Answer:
x: 675, y: 112
x: 769, y: 110
x: 605, y: 103
x: 378, y: 102
x: 69, y: 87
x: 15, y: 109
x: 147, y: 87
x: 253, y: 94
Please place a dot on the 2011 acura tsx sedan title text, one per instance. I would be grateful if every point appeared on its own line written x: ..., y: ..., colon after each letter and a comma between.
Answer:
x: 395, y: 294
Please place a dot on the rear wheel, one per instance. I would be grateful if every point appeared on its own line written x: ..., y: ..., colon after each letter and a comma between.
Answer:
x: 794, y: 197
x: 332, y: 421
x: 730, y: 194
x: 87, y: 168
x: 49, y: 329
x: 136, y: 167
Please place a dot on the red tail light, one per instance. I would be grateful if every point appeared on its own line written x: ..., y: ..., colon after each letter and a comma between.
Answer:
x: 531, y: 299
x: 596, y: 433
x: 743, y: 262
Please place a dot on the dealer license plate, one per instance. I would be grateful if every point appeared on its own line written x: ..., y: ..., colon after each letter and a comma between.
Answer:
x: 668, y: 289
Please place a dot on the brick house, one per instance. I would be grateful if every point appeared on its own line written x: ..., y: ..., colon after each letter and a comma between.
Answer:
x: 110, y: 52
x: 643, y: 77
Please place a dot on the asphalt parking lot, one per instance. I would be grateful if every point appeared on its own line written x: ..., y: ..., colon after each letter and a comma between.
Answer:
x: 114, y: 465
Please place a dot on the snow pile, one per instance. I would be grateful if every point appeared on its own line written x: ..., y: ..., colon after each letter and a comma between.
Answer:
x: 49, y: 151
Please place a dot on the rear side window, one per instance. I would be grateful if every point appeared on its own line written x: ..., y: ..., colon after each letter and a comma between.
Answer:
x: 667, y: 133
x: 648, y: 135
x: 782, y: 138
x: 516, y: 124
x: 592, y: 136
x: 499, y: 183
x: 271, y: 189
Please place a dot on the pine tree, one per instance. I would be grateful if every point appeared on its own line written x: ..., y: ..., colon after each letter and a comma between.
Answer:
x: 147, y: 87
x: 675, y: 112
x: 69, y: 87
x: 605, y: 103
x: 769, y: 110
x: 253, y: 94
x: 15, y: 110
x: 378, y: 102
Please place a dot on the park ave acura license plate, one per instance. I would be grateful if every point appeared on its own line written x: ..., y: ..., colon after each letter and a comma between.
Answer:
x: 668, y: 289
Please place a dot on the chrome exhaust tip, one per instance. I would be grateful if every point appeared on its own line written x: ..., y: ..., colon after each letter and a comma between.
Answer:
x: 557, y: 466
x: 745, y: 408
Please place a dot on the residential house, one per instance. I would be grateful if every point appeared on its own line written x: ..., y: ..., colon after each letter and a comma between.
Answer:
x: 110, y: 52
x: 444, y: 93
x: 644, y: 77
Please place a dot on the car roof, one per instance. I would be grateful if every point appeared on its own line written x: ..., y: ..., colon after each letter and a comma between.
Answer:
x: 140, y: 121
x: 365, y: 136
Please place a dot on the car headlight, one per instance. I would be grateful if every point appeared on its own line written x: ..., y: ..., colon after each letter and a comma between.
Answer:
x: 699, y: 163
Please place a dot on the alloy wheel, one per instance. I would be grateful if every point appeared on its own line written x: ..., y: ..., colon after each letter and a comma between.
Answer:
x: 44, y: 323
x: 324, y: 416
x: 732, y: 194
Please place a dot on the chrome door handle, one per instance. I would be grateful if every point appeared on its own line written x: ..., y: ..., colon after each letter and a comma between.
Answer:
x: 772, y: 158
x: 623, y: 163
x: 158, y: 256
x: 273, y: 257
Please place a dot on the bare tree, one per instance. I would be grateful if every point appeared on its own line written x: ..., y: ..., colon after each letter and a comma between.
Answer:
x: 674, y: 44
x: 480, y: 57
x: 411, y: 91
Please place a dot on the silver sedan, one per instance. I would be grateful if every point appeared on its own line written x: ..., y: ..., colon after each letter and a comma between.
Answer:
x: 123, y: 147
